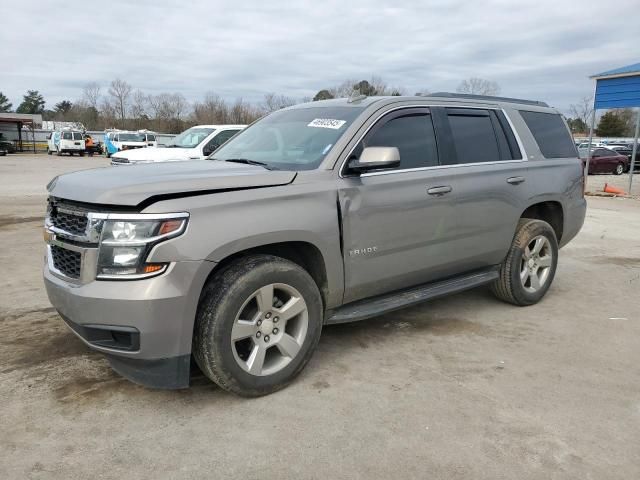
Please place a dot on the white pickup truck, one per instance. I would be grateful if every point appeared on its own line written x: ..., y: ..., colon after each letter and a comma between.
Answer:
x: 196, y: 143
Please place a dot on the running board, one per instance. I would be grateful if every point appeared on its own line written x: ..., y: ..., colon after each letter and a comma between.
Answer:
x: 379, y: 305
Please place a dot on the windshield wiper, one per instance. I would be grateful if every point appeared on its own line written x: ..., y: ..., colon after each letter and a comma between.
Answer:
x: 246, y: 161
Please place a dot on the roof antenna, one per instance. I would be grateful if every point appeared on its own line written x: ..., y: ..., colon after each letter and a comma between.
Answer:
x: 356, y: 96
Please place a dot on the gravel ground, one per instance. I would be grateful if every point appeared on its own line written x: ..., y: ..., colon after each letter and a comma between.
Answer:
x: 463, y: 387
x: 596, y: 183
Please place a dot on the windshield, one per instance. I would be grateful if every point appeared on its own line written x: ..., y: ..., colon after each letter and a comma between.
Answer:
x: 130, y: 137
x: 192, y: 137
x: 296, y: 139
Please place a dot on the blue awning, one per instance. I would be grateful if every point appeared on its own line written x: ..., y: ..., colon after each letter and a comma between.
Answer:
x: 618, y: 88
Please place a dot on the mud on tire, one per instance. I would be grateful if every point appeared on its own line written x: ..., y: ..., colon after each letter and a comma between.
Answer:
x: 516, y: 283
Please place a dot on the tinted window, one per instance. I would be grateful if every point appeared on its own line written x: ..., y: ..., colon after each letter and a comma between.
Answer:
x: 224, y: 136
x: 551, y: 134
x: 151, y: 138
x: 474, y: 138
x: 414, y: 137
x: 67, y: 136
x: 77, y: 136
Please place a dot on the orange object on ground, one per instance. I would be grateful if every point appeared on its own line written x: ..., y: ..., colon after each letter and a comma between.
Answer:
x: 609, y: 189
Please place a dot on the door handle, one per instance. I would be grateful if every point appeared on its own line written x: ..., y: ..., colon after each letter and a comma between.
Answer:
x: 515, y: 180
x: 439, y: 190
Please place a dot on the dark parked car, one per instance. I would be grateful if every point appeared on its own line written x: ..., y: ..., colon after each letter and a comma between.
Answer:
x: 7, y: 146
x: 627, y: 151
x: 605, y: 160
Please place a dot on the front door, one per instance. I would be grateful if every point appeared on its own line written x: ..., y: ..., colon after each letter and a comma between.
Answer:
x: 395, y: 233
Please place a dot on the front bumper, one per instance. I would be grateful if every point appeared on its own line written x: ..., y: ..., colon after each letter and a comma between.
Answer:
x: 144, y: 326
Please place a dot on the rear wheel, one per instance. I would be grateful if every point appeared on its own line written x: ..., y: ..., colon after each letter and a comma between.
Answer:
x: 619, y: 169
x: 527, y: 272
x: 81, y: 154
x: 258, y: 323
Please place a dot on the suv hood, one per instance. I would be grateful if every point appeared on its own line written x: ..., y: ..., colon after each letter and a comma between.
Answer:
x: 133, y: 185
x: 158, y: 154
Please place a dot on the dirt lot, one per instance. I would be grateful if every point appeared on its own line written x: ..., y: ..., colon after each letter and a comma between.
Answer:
x: 464, y: 387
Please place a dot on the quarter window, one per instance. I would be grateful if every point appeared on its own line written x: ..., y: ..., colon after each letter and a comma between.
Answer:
x: 551, y: 134
x: 412, y: 134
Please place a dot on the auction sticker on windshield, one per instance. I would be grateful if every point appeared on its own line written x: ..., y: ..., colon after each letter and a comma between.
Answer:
x: 327, y: 123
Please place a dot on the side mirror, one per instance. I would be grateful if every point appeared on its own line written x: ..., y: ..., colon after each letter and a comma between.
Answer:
x: 375, y: 158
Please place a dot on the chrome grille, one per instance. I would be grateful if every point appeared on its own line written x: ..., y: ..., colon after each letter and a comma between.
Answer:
x: 67, y: 262
x: 75, y: 224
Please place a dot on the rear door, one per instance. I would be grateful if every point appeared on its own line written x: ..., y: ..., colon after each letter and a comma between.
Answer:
x: 395, y: 234
x: 483, y: 166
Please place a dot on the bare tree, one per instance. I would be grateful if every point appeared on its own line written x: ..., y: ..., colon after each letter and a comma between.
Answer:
x: 91, y: 95
x: 273, y: 102
x: 211, y: 110
x: 479, y: 86
x: 120, y: 91
x: 583, y: 110
x: 139, y: 103
x: 242, y: 112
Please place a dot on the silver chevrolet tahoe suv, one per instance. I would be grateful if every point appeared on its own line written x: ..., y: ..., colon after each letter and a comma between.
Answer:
x: 321, y: 213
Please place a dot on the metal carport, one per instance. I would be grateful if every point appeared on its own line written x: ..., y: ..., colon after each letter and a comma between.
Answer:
x: 20, y: 120
x: 617, y: 88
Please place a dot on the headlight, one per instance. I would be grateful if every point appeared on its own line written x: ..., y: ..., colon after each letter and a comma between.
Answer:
x: 125, y: 244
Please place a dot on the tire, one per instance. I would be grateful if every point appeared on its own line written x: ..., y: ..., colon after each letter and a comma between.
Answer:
x: 49, y: 152
x: 510, y: 286
x: 81, y: 154
x: 236, y: 292
x: 619, y: 169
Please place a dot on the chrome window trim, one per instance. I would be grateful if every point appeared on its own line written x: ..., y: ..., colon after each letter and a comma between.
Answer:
x: 523, y: 153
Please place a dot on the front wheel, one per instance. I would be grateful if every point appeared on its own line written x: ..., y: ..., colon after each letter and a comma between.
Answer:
x: 258, y: 322
x: 619, y: 169
x: 527, y: 272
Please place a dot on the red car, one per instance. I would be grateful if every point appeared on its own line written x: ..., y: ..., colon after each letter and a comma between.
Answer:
x: 604, y: 160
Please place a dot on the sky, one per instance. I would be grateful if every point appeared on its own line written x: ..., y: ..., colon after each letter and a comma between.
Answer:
x: 542, y: 50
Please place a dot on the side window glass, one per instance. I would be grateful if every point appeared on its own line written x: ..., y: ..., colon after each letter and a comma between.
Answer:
x: 412, y: 134
x: 551, y: 134
x: 473, y: 136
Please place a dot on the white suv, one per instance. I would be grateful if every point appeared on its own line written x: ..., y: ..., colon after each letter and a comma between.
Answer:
x: 196, y: 143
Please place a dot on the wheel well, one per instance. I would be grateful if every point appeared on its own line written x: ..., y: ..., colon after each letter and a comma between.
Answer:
x: 550, y: 212
x: 304, y: 254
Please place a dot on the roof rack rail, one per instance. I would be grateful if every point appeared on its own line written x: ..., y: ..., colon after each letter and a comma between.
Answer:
x: 489, y: 98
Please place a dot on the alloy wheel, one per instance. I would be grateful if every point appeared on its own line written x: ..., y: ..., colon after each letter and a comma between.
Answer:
x: 536, y: 263
x: 270, y: 329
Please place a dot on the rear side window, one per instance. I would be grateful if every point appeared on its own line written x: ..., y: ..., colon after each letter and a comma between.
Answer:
x: 473, y: 135
x: 67, y: 136
x: 551, y: 134
x: 412, y: 134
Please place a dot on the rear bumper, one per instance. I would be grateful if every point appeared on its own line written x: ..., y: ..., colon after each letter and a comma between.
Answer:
x: 144, y: 327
